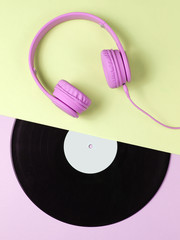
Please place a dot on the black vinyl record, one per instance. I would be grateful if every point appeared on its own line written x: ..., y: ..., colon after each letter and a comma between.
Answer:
x: 68, y: 195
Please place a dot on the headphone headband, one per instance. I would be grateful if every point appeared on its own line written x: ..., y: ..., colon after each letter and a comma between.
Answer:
x: 60, y: 19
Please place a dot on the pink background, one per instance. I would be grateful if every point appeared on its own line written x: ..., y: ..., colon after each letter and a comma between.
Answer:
x: 21, y: 219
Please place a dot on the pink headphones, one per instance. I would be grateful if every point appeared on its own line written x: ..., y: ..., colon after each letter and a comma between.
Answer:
x: 115, y: 65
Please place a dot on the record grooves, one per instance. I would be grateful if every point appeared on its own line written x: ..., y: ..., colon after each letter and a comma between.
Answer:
x: 68, y: 195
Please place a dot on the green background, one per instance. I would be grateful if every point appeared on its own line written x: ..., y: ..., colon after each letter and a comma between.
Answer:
x: 149, y: 31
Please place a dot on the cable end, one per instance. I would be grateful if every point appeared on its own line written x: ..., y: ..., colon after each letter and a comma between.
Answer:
x: 126, y: 90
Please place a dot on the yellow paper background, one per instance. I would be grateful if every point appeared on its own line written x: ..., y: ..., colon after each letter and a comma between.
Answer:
x: 149, y: 31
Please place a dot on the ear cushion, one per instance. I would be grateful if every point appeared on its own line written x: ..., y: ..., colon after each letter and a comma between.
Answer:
x: 64, y: 107
x: 114, y: 67
x: 109, y: 68
x: 71, y: 97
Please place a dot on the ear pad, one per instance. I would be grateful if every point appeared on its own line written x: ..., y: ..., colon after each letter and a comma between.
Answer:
x: 70, y: 99
x: 116, y: 68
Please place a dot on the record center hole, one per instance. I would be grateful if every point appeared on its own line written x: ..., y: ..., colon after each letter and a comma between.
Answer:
x: 90, y: 146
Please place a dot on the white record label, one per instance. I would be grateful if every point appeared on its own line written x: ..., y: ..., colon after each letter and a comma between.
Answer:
x: 89, y: 154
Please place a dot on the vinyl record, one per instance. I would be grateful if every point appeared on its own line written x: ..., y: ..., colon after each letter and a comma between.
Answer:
x: 78, y: 198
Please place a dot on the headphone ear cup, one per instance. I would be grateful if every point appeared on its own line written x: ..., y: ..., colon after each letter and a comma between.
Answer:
x: 109, y: 68
x: 127, y: 68
x: 114, y: 67
x: 70, y: 99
